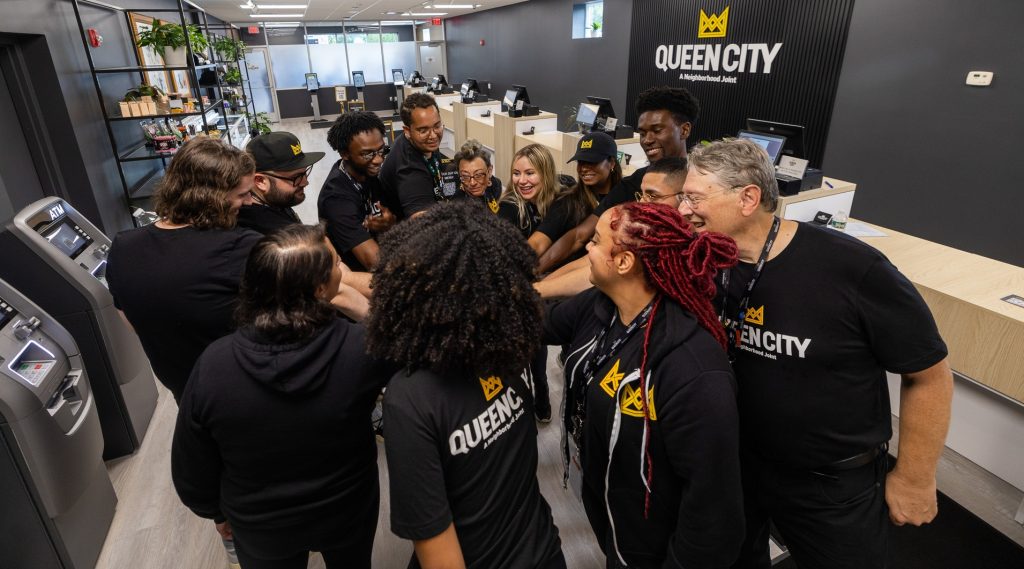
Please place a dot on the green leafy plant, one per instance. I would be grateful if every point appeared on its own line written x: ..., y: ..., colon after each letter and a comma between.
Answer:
x: 233, y: 76
x: 165, y: 35
x: 136, y: 93
x: 258, y: 123
x: 230, y: 49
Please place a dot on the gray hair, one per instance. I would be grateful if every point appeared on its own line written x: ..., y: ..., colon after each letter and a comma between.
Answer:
x: 471, y: 150
x: 736, y: 163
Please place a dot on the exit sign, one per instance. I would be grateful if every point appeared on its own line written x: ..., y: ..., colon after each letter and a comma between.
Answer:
x: 435, y: 21
x: 253, y: 30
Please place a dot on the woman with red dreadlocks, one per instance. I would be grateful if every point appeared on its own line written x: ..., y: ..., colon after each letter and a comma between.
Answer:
x: 650, y: 406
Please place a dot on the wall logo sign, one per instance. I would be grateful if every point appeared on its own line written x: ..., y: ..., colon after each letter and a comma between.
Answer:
x: 733, y: 58
x: 713, y: 26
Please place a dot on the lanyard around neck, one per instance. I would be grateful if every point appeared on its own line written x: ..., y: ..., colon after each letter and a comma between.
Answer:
x: 732, y: 327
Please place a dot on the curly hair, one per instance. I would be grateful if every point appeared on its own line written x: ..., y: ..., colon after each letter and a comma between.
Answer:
x: 416, y: 101
x: 195, y: 188
x: 278, y: 293
x: 453, y: 293
x: 350, y: 124
x: 683, y: 106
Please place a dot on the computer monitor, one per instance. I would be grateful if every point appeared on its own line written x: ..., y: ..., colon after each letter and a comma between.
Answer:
x: 468, y: 86
x: 358, y: 79
x: 604, y: 112
x: 771, y: 143
x: 513, y: 97
x: 398, y: 76
x: 438, y: 82
x: 794, y: 135
x: 586, y: 115
x: 523, y: 96
x: 416, y: 78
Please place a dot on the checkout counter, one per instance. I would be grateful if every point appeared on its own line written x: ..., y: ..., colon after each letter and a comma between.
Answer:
x: 56, y: 500
x: 58, y: 258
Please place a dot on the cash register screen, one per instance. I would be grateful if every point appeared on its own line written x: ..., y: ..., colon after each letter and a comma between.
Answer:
x: 587, y: 114
x: 33, y: 363
x: 510, y: 98
x: 66, y: 239
x: 772, y: 144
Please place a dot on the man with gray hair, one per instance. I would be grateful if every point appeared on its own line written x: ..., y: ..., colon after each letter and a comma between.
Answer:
x: 815, y: 319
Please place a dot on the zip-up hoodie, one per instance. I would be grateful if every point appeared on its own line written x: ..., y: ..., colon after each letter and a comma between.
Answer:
x: 279, y: 436
x: 691, y: 512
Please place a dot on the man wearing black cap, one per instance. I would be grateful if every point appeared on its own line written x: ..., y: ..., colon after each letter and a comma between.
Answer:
x: 282, y: 174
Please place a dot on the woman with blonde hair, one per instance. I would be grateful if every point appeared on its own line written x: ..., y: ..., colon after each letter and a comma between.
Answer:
x: 539, y: 202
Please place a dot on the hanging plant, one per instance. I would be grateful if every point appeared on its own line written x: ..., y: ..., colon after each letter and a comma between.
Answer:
x: 233, y: 76
x: 229, y: 49
x: 165, y: 35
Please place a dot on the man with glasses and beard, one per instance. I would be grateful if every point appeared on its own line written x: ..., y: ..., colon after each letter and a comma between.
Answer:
x: 352, y: 201
x: 282, y: 174
x: 416, y: 171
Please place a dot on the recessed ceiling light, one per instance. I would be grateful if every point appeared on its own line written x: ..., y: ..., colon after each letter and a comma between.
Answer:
x: 451, y: 7
x: 261, y: 16
x: 282, y: 6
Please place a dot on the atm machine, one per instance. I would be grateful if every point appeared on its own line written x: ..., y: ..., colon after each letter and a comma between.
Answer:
x: 58, y: 258
x: 56, y: 500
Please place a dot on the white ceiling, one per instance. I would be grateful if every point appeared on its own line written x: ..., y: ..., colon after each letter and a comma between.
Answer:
x: 339, y: 10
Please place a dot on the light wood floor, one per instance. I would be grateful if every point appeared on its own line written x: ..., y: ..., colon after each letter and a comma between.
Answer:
x: 153, y: 530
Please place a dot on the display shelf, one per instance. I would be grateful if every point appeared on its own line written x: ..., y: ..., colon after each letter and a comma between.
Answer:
x: 211, y: 107
x: 137, y: 69
x: 146, y: 187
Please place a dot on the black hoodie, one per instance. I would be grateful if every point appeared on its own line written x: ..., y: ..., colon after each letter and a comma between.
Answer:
x: 695, y: 514
x: 279, y: 436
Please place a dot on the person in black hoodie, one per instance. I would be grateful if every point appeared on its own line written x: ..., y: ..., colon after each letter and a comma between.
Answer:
x: 273, y: 439
x: 650, y: 407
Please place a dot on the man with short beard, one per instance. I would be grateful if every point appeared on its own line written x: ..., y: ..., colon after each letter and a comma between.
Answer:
x: 282, y: 174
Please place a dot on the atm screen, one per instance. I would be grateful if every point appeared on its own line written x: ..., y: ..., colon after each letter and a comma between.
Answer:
x: 67, y: 240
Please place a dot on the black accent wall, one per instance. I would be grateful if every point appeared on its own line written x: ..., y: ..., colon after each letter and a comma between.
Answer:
x: 531, y: 44
x: 931, y: 156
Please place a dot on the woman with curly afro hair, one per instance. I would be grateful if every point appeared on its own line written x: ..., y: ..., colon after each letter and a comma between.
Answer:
x: 650, y: 404
x: 454, y: 306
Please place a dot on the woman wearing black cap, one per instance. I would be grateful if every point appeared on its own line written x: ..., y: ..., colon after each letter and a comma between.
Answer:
x: 273, y: 440
x: 597, y: 164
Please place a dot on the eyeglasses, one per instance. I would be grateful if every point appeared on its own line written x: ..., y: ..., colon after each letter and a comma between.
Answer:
x: 693, y: 201
x: 370, y: 154
x: 649, y: 196
x: 293, y: 180
x: 479, y: 177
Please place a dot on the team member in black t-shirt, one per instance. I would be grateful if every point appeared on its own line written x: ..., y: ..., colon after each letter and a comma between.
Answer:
x: 352, y: 201
x: 273, y: 440
x: 282, y: 174
x: 597, y: 164
x: 666, y: 116
x: 477, y: 174
x: 176, y: 281
x: 650, y: 399
x: 415, y: 171
x: 813, y: 332
x: 453, y: 306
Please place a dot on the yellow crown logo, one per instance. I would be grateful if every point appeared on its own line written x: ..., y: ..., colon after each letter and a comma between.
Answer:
x: 586, y: 144
x: 491, y: 386
x: 632, y: 404
x: 755, y: 316
x: 713, y: 26
x: 610, y: 383
x: 296, y: 149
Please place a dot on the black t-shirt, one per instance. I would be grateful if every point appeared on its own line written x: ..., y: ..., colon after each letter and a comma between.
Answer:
x: 464, y: 450
x: 624, y: 191
x: 827, y: 318
x: 344, y: 205
x: 556, y: 223
x: 417, y: 182
x: 265, y: 218
x: 491, y: 197
x: 178, y: 288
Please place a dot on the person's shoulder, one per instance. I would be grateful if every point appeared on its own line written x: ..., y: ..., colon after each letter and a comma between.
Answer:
x: 835, y: 246
x: 636, y: 177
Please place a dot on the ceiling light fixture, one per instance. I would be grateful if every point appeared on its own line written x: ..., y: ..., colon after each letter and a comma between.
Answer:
x: 424, y: 13
x: 452, y: 7
x: 261, y: 16
x: 283, y: 6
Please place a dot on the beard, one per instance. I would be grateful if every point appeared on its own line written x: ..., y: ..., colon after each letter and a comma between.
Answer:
x: 280, y: 198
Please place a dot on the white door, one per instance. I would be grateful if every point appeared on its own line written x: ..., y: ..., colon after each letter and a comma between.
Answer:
x: 261, y: 81
x: 431, y: 56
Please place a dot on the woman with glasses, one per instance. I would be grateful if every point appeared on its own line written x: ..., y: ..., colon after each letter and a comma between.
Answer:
x: 477, y: 174
x: 273, y: 440
x: 352, y: 201
x: 282, y: 174
x: 650, y: 407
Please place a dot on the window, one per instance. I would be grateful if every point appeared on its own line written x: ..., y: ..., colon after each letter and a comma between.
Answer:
x: 588, y: 19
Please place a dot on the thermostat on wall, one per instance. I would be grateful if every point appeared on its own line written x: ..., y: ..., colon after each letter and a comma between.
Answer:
x: 979, y: 78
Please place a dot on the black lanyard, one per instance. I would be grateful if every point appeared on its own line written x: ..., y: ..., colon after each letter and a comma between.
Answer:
x: 434, y: 167
x: 598, y: 357
x: 371, y: 207
x: 732, y: 327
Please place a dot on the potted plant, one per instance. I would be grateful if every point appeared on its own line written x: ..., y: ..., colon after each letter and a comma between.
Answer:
x: 258, y: 123
x: 233, y: 76
x: 228, y: 48
x: 169, y: 39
